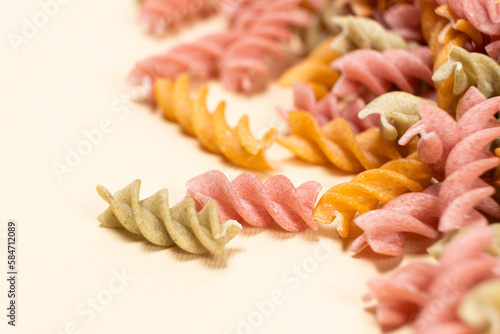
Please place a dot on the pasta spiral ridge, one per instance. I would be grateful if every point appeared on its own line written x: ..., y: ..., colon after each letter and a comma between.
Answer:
x: 237, y: 144
x: 404, y: 19
x: 363, y: 33
x: 162, y: 225
x: 398, y: 112
x: 336, y: 143
x: 369, y: 188
x: 441, y: 31
x: 470, y: 69
x: 199, y: 58
x: 259, y: 204
x: 439, y: 132
x: 314, y: 70
x: 378, y: 71
x: 423, y: 290
x: 484, y: 15
x: 161, y: 15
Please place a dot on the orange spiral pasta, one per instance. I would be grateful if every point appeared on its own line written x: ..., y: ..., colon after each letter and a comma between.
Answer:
x: 315, y: 70
x: 336, y: 143
x: 237, y: 144
x: 442, y: 30
x: 370, y: 188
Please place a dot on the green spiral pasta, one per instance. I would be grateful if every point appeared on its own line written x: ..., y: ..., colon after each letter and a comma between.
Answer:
x: 470, y: 69
x: 161, y: 225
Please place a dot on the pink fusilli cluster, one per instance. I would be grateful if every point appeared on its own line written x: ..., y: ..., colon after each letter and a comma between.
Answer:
x: 259, y: 204
x: 430, y: 293
x: 241, y: 57
x: 456, y: 149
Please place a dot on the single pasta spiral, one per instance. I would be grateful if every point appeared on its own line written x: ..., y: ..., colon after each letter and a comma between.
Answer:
x: 237, y: 144
x: 363, y: 33
x: 470, y: 69
x: 398, y: 112
x: 378, y: 71
x: 198, y: 58
x: 259, y: 204
x: 162, y: 225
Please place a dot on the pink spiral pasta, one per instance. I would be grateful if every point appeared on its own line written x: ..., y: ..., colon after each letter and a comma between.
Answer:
x: 329, y: 108
x: 484, y: 15
x: 244, y: 65
x: 444, y: 207
x: 378, y: 71
x: 238, y: 57
x: 404, y: 19
x: 199, y: 58
x: 439, y: 132
x: 259, y: 204
x: 161, y: 15
x: 433, y: 292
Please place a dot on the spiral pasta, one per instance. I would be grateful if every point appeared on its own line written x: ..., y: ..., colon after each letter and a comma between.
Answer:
x: 259, y: 204
x: 336, y: 143
x: 237, y: 57
x: 440, y: 132
x: 470, y: 69
x: 434, y: 293
x: 404, y: 19
x: 363, y: 33
x: 244, y: 66
x: 441, y: 31
x: 314, y: 70
x: 329, y: 108
x: 453, y: 207
x: 378, y: 71
x: 398, y: 112
x: 484, y: 15
x: 161, y: 15
x: 198, y: 58
x: 368, y: 189
x: 237, y: 144
x: 455, y: 149
x: 161, y: 225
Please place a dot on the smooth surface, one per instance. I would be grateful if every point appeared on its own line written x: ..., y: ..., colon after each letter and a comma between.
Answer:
x: 70, y: 78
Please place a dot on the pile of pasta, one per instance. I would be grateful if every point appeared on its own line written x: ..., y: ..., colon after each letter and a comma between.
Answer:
x: 403, y: 94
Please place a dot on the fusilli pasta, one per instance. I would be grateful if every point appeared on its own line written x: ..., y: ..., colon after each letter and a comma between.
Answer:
x: 161, y: 225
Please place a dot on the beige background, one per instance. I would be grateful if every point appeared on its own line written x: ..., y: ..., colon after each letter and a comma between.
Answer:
x: 66, y: 79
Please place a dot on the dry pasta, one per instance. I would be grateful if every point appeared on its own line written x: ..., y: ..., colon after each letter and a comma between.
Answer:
x: 259, y: 204
x: 370, y: 188
x: 237, y: 144
x: 336, y: 143
x: 162, y: 225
